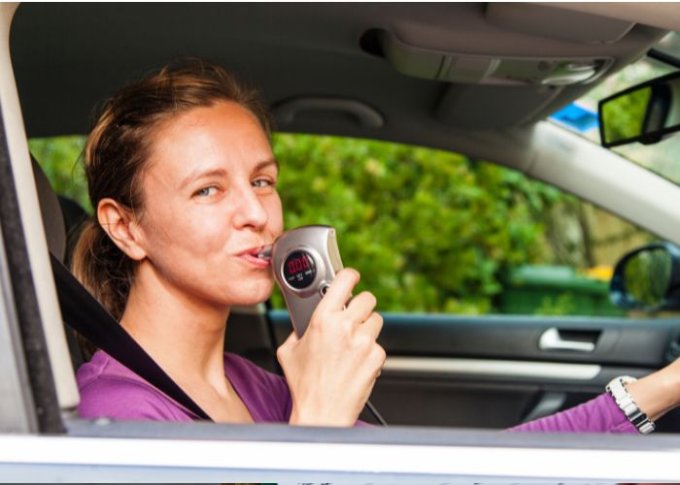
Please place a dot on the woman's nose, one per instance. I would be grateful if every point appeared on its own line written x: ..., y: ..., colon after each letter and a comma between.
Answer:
x: 250, y: 210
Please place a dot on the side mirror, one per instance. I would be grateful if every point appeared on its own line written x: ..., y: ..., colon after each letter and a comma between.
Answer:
x: 645, y: 113
x: 648, y: 278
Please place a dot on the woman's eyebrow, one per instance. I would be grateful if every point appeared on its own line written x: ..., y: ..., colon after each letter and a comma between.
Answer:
x: 201, y: 173
x: 266, y: 163
x: 220, y: 172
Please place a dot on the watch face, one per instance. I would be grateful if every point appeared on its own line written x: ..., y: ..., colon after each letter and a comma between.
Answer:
x: 299, y: 269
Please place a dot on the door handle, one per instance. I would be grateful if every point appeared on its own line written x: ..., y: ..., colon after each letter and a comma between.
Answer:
x: 552, y: 340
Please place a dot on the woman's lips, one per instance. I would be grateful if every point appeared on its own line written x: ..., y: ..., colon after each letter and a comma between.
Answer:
x: 265, y: 252
x: 259, y: 257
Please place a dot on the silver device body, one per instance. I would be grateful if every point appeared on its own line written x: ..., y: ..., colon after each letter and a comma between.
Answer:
x: 305, y: 261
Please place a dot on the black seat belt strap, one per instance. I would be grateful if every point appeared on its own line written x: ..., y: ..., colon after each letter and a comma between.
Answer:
x: 84, y: 314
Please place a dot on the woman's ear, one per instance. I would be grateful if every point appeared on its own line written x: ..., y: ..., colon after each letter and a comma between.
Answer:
x: 120, y: 224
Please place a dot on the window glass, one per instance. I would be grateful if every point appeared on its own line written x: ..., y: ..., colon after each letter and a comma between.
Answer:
x: 432, y: 231
x: 60, y: 159
x: 670, y: 44
x: 660, y: 158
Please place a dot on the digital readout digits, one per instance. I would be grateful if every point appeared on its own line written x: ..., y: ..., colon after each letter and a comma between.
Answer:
x: 299, y: 269
x: 297, y: 265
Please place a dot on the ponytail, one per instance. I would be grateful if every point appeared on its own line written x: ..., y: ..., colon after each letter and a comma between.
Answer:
x: 103, y: 269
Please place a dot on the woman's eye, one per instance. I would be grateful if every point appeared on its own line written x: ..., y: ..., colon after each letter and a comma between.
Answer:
x: 206, y: 191
x: 259, y: 183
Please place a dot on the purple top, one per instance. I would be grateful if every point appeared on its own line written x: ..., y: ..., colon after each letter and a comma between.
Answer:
x: 599, y: 415
x: 109, y: 389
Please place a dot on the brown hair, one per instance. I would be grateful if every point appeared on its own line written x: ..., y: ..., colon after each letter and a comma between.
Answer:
x: 116, y: 152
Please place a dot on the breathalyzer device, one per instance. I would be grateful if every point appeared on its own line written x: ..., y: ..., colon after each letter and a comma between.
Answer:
x: 305, y: 260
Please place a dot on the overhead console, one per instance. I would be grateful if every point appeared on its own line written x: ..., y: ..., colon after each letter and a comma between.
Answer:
x: 480, y: 69
x: 508, y: 64
x: 469, y: 62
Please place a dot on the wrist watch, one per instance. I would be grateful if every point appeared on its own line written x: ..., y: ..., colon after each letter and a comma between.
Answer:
x: 617, y: 389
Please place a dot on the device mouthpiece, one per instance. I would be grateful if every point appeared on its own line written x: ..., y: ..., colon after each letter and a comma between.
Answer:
x: 265, y: 253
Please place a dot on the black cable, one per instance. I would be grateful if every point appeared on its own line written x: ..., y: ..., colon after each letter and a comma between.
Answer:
x: 375, y: 413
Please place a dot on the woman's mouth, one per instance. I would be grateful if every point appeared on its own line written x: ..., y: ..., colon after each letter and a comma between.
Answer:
x: 265, y: 253
x: 259, y: 257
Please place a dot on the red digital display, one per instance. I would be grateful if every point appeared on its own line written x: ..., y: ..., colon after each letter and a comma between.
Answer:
x: 297, y: 265
x: 299, y: 269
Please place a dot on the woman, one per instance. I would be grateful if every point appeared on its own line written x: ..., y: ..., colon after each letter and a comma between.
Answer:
x: 183, y: 179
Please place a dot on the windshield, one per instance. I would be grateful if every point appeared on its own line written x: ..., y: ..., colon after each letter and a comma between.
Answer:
x: 661, y: 157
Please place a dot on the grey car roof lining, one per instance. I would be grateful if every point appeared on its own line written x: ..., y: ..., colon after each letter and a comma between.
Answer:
x: 85, y: 51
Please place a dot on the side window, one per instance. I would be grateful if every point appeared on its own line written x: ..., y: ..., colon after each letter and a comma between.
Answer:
x: 60, y: 159
x: 434, y: 231
x: 431, y: 231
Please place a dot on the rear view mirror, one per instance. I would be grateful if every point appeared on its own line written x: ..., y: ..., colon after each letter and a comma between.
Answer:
x: 648, y: 278
x: 645, y: 113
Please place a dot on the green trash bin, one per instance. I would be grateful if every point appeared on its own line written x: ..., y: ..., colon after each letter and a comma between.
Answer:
x: 555, y: 290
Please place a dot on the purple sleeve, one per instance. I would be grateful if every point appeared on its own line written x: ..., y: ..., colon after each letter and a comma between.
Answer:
x: 599, y: 415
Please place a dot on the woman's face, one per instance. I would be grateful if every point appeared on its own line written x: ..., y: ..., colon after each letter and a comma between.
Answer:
x: 210, y: 204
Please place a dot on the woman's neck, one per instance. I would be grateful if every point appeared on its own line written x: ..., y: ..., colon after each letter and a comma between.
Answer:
x: 185, y: 336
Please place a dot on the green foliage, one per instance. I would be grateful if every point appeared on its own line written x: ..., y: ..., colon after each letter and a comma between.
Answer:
x: 647, y: 276
x: 429, y: 230
x: 623, y: 116
x: 60, y: 159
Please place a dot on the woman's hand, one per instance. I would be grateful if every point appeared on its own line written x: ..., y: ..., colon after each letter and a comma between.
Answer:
x: 332, y: 368
x: 659, y: 392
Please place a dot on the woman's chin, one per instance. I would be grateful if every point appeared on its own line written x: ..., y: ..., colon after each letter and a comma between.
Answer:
x: 253, y: 296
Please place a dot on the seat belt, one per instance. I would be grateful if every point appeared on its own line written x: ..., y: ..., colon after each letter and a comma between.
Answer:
x: 84, y: 314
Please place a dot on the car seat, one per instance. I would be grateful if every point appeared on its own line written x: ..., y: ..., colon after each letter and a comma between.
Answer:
x: 61, y: 234
x: 81, y: 311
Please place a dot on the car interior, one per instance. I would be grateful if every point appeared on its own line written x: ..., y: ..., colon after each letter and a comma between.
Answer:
x: 475, y: 78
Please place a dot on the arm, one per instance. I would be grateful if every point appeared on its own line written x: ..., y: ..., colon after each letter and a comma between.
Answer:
x: 655, y: 395
x: 597, y: 415
x: 659, y: 392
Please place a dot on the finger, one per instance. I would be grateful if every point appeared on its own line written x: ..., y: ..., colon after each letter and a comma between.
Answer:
x: 372, y: 325
x: 361, y: 307
x: 380, y: 357
x: 377, y: 358
x: 340, y: 290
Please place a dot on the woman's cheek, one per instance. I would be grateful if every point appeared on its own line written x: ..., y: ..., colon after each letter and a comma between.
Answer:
x: 276, y: 215
x: 203, y: 230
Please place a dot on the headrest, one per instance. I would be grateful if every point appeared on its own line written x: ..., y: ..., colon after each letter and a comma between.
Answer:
x: 53, y: 220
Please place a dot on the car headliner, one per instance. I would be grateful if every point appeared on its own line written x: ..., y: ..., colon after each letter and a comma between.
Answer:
x: 67, y: 57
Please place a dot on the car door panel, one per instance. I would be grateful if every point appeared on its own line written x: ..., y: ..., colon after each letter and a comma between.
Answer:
x: 491, y: 372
